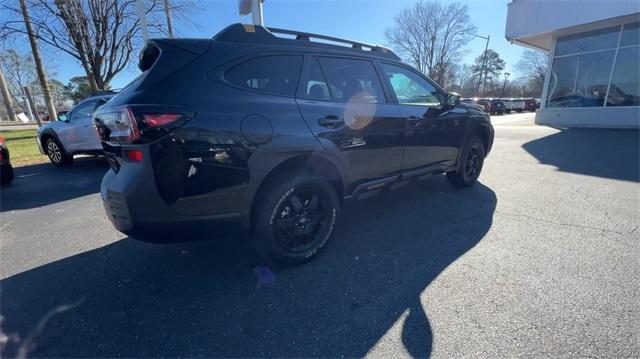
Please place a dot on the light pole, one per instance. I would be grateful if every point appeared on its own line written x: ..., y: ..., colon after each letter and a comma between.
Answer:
x: 144, y: 26
x: 504, y: 84
x: 253, y: 7
x: 484, y: 62
x: 169, y: 22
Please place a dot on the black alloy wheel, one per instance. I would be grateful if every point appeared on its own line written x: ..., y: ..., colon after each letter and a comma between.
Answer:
x: 470, y: 164
x: 301, y: 221
x: 295, y: 217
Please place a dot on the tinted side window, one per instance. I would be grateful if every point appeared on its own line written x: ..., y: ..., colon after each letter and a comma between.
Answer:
x: 277, y: 75
x: 352, y: 80
x: 316, y: 87
x: 85, y: 109
x: 411, y: 89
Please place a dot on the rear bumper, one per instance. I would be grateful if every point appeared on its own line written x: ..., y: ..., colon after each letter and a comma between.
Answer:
x: 136, y: 209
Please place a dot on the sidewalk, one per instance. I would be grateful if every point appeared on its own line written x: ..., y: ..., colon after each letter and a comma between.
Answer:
x: 514, y: 119
x: 9, y: 126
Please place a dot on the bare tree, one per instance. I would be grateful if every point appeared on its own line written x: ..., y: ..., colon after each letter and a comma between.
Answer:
x: 462, y: 79
x: 431, y: 35
x: 100, y: 34
x: 533, y: 66
x: 20, y: 71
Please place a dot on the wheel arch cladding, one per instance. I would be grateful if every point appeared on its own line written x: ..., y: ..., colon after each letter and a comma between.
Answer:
x: 318, y: 165
x: 482, y: 132
x: 44, y: 136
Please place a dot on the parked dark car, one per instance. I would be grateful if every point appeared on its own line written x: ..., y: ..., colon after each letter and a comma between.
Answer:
x: 486, y: 105
x: 472, y: 103
x: 498, y: 107
x: 6, y: 170
x: 531, y: 104
x: 272, y: 135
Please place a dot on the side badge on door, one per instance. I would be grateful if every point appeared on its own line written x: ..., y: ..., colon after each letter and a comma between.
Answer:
x: 355, y: 141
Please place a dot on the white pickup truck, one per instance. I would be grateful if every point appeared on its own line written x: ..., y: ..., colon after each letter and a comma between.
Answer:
x: 513, y: 104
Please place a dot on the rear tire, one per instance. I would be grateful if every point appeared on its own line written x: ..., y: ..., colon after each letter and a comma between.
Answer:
x: 295, y: 217
x: 56, y: 153
x: 470, y: 165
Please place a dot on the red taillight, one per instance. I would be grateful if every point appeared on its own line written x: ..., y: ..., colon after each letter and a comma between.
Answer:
x: 135, y: 132
x: 134, y: 155
x: 160, y: 119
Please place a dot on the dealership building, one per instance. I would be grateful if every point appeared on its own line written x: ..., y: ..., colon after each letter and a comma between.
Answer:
x: 593, y: 73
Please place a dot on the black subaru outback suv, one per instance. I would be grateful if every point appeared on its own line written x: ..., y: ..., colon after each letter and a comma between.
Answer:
x: 272, y: 133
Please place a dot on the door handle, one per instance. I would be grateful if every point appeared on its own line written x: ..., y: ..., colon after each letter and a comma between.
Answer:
x: 331, y: 121
x: 413, y: 121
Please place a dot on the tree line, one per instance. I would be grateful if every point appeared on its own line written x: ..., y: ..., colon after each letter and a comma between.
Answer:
x: 101, y: 35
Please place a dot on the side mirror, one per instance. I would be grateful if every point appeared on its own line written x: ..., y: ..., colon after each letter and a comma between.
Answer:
x: 63, y: 117
x: 453, y: 99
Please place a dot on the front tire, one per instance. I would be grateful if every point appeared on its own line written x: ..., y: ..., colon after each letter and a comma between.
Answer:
x: 294, y: 218
x: 470, y: 164
x: 56, y: 153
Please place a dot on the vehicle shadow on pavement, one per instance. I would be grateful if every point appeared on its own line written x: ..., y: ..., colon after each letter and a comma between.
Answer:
x: 217, y: 298
x: 605, y: 153
x: 44, y: 184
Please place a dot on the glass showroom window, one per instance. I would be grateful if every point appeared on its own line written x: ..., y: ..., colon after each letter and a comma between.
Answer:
x: 625, y: 84
x: 583, y: 64
x: 582, y: 68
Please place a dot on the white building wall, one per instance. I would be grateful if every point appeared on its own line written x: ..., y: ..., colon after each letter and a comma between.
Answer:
x: 595, y: 117
x: 530, y: 22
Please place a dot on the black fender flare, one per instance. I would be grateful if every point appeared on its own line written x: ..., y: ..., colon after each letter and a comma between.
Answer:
x: 309, y: 157
x: 474, y: 126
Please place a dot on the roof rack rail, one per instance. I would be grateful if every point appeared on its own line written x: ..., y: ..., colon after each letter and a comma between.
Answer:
x: 105, y: 92
x: 256, y: 33
x: 306, y: 36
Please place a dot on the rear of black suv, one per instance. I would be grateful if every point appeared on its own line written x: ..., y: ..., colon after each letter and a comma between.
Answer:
x: 186, y: 146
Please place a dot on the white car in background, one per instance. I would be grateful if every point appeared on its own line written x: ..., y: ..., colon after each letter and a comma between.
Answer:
x: 518, y: 104
x: 73, y: 133
x: 513, y: 104
x: 508, y: 105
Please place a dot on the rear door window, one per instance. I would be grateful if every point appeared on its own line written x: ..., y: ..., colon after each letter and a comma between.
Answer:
x: 315, y: 87
x: 84, y: 110
x: 352, y: 80
x: 276, y: 75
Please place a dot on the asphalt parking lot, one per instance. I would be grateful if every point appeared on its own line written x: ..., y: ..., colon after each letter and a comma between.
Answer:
x: 540, y: 259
